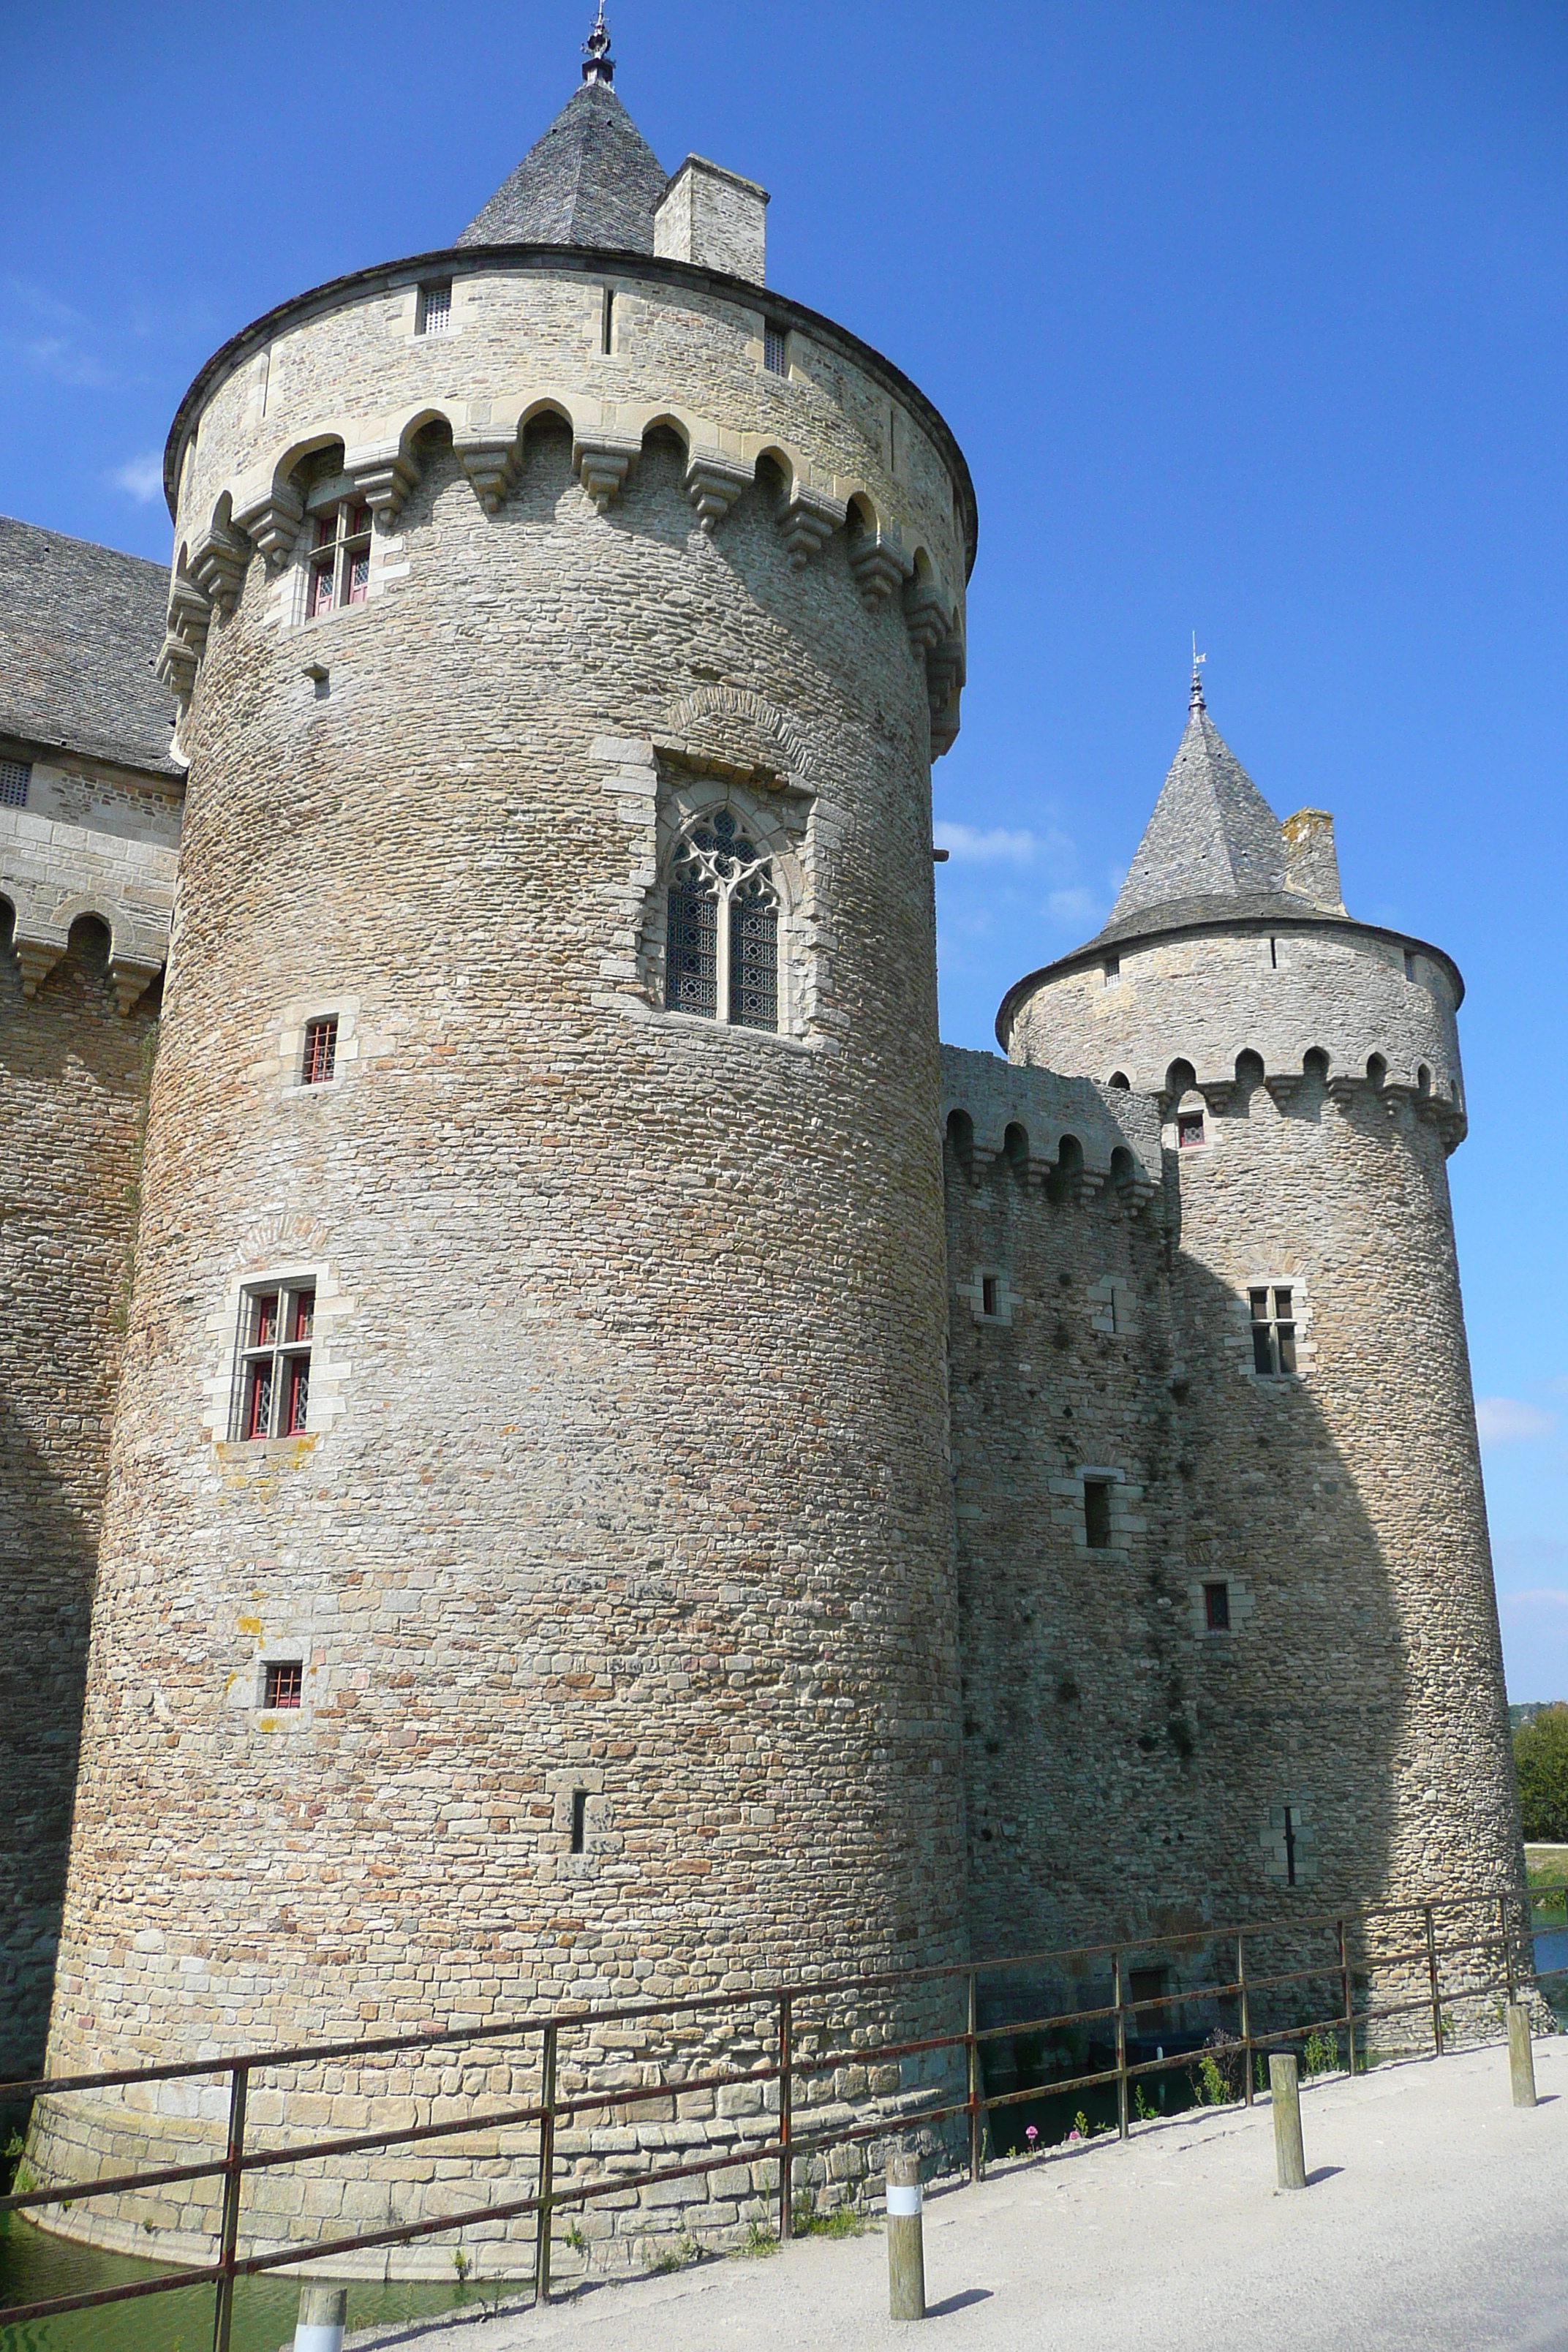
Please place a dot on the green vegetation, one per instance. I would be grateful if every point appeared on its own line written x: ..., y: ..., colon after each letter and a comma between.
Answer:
x: 843, y: 2222
x: 758, y: 2241
x: 1540, y: 1762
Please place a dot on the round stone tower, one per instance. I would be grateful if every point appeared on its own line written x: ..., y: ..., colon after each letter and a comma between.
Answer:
x: 1312, y: 1477
x: 527, y: 1568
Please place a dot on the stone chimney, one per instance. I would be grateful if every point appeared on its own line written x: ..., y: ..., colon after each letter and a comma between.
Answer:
x: 1312, y: 862
x: 714, y: 218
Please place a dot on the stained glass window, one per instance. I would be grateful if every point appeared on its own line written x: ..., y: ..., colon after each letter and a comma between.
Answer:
x: 722, y: 941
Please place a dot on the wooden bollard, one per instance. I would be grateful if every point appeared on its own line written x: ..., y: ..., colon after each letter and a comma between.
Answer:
x: 906, y: 2240
x: 323, y: 2316
x: 1285, y: 2095
x: 1521, y: 2055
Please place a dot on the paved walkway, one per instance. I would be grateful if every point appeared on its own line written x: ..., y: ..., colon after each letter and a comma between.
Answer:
x: 1436, y: 2216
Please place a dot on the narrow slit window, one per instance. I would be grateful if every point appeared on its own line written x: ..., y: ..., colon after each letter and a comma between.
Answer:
x: 1189, y: 1130
x: 1097, y: 1514
x: 340, y: 559
x: 579, y: 1821
x: 16, y: 776
x: 775, y: 350
x: 272, y: 1384
x: 1409, y: 965
x: 607, y: 322
x: 435, y: 309
x: 1290, y: 1845
x: 1274, y: 955
x: 1217, y: 1608
x: 1273, y: 1318
x: 1112, y: 969
x: 990, y: 1295
x: 321, y: 1051
x: 285, y: 1682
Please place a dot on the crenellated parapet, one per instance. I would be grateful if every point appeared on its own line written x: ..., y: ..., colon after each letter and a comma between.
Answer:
x: 1049, y: 1130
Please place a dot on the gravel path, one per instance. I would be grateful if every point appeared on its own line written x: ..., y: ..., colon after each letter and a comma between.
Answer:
x: 1436, y: 2215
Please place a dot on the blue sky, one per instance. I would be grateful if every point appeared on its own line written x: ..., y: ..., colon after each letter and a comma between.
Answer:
x: 1251, y: 318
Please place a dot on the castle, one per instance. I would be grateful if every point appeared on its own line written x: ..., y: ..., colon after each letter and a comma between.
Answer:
x: 622, y: 1462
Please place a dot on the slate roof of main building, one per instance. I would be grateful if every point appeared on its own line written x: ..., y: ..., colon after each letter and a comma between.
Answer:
x: 592, y: 179
x: 81, y: 626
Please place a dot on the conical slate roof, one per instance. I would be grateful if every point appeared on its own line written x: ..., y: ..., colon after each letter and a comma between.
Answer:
x: 1212, y: 835
x: 592, y: 179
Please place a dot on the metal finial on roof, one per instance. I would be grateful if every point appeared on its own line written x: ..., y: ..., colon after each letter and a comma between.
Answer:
x: 1195, y: 701
x: 599, y: 64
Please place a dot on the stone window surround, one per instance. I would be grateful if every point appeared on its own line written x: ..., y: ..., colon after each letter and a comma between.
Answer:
x: 1241, y: 1604
x: 402, y: 315
x: 1113, y: 1306
x: 329, y: 1370
x: 1127, y: 1520
x: 1303, y: 1830
x: 1241, y: 1339
x: 290, y: 1045
x: 1192, y: 1105
x: 1008, y: 1299
x: 562, y: 1784
x: 247, y: 1689
x: 291, y: 590
x: 686, y: 793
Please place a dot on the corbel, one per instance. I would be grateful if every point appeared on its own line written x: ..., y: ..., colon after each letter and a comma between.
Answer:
x: 36, y: 959
x: 714, y: 483
x: 876, y: 559
x: 219, y: 560
x: 382, y: 477
x: 175, y: 667
x: 271, y: 524
x: 807, y: 522
x: 491, y: 466
x: 602, y: 465
x: 189, y: 614
x: 132, y: 981
x: 926, y: 614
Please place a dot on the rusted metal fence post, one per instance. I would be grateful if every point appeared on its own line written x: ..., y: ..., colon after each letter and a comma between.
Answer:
x: 786, y: 2120
x: 971, y: 2049
x: 1432, y: 1977
x: 1347, y: 1999
x: 1121, y: 2123
x: 228, y: 2229
x: 546, y: 2165
x: 1245, y: 2010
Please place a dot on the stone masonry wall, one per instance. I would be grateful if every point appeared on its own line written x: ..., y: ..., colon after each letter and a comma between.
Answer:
x: 625, y: 1473
x: 73, y: 1086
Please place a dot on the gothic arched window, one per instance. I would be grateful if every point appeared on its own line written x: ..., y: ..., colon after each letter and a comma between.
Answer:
x: 722, y: 939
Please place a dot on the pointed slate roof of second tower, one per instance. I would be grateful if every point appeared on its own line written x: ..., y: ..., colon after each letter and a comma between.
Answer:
x: 592, y: 179
x: 1212, y: 835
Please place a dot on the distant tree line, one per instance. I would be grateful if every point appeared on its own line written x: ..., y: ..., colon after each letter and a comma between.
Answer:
x: 1540, y: 1760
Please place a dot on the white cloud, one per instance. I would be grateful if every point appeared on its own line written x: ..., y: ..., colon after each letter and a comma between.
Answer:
x: 1509, y: 1421
x: 1544, y: 1596
x: 141, y: 478
x: 1080, y: 905
x: 996, y: 848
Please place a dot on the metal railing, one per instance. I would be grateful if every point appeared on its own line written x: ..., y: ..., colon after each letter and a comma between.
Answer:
x: 1490, y: 1958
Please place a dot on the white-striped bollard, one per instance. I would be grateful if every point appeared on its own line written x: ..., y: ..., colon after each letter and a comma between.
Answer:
x: 323, y: 2316
x: 906, y: 2240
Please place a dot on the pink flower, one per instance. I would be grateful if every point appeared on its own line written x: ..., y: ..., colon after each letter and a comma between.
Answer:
x: 1032, y: 2135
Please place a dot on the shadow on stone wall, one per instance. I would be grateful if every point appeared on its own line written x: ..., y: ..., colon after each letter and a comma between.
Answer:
x: 73, y: 1078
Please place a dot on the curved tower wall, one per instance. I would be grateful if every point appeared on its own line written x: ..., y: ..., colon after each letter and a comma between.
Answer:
x: 1361, y: 1682
x: 623, y: 1470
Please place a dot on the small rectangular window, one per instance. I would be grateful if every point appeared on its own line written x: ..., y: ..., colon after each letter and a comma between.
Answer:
x: 990, y: 1295
x: 1273, y: 1330
x: 1190, y: 1130
x: 434, y: 309
x: 1409, y: 965
x: 272, y: 1381
x: 16, y: 776
x: 1112, y: 969
x: 1097, y: 1514
x: 1290, y: 1845
x: 775, y: 350
x: 1217, y: 1608
x: 340, y: 559
x: 321, y: 1051
x: 285, y: 1682
x: 579, y: 1820
x: 1148, y: 1985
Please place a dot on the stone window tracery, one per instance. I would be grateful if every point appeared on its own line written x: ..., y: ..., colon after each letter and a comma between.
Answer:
x: 721, y: 925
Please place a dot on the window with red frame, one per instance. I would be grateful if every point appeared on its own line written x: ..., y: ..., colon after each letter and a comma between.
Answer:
x: 272, y: 1383
x: 340, y: 558
x: 285, y: 1682
x: 321, y: 1051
